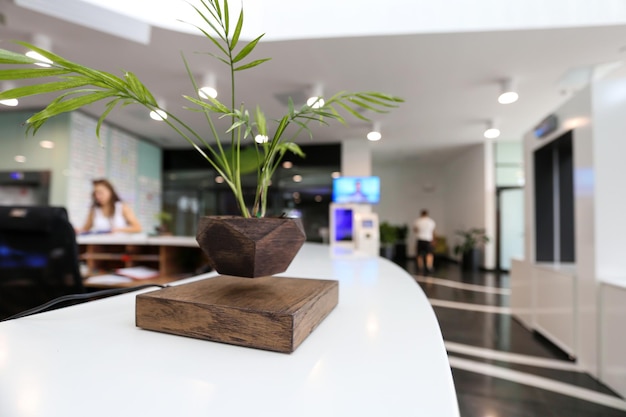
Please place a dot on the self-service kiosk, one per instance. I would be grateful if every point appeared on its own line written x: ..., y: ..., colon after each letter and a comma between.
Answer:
x: 366, y: 234
x: 354, y: 227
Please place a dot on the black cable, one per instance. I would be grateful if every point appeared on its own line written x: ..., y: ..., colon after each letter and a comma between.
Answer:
x: 73, y: 297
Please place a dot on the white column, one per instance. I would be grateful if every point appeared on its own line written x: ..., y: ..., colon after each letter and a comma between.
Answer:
x: 490, y: 203
x: 356, y: 158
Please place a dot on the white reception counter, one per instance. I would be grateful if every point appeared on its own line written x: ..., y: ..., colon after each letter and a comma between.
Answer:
x: 379, y: 353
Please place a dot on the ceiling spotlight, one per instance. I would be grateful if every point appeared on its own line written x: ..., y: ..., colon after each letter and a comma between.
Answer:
x: 287, y: 164
x: 492, y: 131
x: 46, y: 144
x: 43, y: 42
x: 159, y: 114
x: 316, y: 100
x: 297, y: 178
x: 219, y: 179
x: 261, y: 139
x: 11, y: 102
x: 20, y: 159
x: 335, y: 174
x: 208, y: 87
x: 375, y: 135
x: 508, y: 94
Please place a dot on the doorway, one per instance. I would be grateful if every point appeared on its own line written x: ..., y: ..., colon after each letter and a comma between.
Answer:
x: 510, y: 226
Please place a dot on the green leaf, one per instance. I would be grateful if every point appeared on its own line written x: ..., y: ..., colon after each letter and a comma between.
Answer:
x: 136, y: 86
x: 216, y: 3
x: 70, y: 105
x: 32, y: 90
x: 10, y: 57
x: 352, y: 111
x: 217, y: 57
x: 226, y: 18
x: 261, y: 121
x: 373, y: 100
x: 304, y: 127
x: 246, y: 49
x: 291, y: 147
x: 236, y: 125
x: 215, y: 29
x: 237, y: 32
x: 290, y: 107
x: 25, y: 73
x: 386, y: 97
x: 252, y: 64
x: 56, y: 108
x: 110, y: 106
x: 214, y: 103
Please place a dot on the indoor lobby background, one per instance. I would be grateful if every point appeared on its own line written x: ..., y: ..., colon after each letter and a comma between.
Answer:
x: 575, y: 302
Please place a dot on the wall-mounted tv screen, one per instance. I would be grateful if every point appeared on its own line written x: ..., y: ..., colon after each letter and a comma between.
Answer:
x: 364, y: 190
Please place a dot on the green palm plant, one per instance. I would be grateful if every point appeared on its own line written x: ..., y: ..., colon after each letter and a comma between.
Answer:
x: 79, y: 86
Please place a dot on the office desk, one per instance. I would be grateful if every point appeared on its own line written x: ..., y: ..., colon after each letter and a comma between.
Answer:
x: 172, y: 256
x: 379, y: 353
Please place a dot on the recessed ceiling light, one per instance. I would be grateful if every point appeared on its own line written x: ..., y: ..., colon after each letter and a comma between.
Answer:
x: 297, y: 178
x: 336, y: 174
x: 46, y: 144
x: 20, y: 158
x: 287, y: 164
x: 219, y: 179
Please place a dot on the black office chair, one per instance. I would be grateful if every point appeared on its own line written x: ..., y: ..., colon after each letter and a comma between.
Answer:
x: 38, y: 257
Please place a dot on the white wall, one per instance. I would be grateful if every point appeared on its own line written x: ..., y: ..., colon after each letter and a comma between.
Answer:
x: 407, y: 187
x: 465, y: 195
x: 609, y: 148
x: 456, y: 192
x: 356, y: 158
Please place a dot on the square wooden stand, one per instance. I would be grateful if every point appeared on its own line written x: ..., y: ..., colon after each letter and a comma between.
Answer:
x: 271, y: 313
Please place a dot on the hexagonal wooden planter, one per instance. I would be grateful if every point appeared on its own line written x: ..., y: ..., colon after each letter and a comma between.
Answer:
x: 250, y: 247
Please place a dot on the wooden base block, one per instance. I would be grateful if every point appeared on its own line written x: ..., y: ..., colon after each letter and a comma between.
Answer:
x: 271, y: 313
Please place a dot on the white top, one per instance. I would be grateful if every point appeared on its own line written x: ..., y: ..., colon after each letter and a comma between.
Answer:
x: 136, y: 239
x: 101, y: 223
x: 425, y: 228
x: 378, y: 353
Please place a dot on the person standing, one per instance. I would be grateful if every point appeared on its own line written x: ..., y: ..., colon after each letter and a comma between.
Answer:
x: 424, y: 228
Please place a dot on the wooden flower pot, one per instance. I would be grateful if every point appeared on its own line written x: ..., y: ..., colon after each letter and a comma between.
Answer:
x: 271, y: 313
x: 250, y: 247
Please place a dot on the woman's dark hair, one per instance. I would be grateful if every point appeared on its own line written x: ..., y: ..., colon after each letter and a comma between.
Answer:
x: 114, y: 197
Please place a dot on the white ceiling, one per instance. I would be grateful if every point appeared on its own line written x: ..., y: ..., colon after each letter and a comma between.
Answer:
x: 449, y: 80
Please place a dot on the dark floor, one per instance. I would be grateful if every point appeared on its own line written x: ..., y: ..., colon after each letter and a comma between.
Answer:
x: 564, y: 393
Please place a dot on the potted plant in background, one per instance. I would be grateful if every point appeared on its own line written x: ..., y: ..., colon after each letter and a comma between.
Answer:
x: 400, y: 251
x: 230, y: 242
x: 388, y: 238
x: 472, y: 241
x: 165, y: 219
